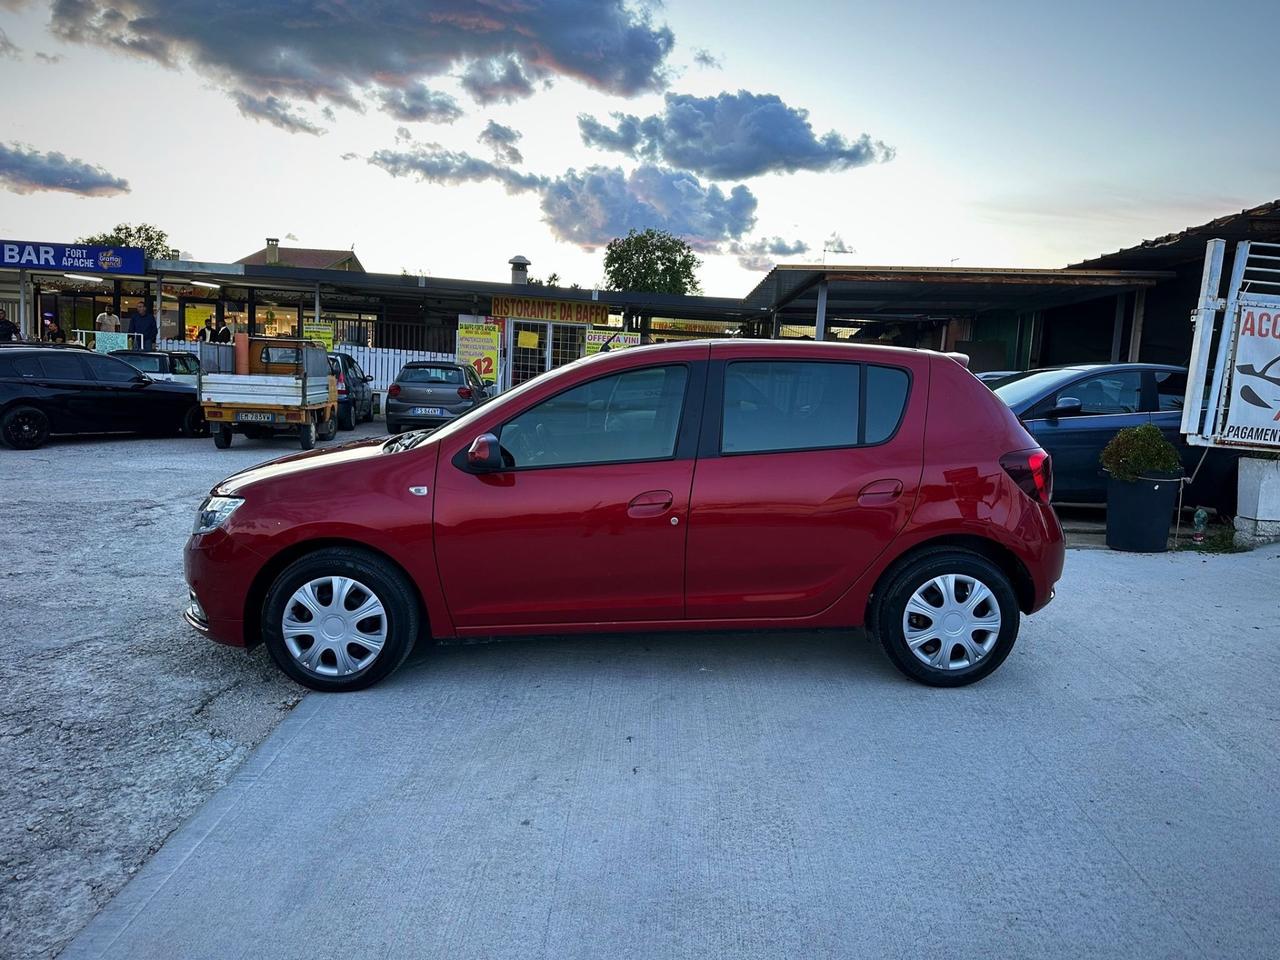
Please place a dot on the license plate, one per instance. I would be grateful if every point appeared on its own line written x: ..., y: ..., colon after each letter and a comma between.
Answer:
x: 427, y: 412
x: 255, y: 416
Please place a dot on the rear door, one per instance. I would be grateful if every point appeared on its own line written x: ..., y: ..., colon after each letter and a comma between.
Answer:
x: 73, y: 403
x: 807, y: 470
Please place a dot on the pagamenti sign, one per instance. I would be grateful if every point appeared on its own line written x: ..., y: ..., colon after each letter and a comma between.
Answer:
x: 75, y: 257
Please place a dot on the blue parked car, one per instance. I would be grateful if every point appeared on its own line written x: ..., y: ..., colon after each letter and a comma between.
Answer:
x: 1074, y: 411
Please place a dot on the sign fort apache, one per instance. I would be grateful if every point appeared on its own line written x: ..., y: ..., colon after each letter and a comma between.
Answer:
x: 73, y: 257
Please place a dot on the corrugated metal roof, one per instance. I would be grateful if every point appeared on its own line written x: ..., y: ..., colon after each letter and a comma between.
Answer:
x: 1253, y: 223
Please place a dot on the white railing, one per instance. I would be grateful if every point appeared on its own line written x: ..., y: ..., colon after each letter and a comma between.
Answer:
x: 383, y: 365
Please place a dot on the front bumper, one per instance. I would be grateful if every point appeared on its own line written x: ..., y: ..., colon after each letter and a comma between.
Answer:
x: 220, y: 572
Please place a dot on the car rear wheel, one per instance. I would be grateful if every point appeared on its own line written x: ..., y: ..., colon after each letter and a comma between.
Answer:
x: 25, y: 428
x: 307, y: 435
x: 340, y: 619
x: 328, y: 430
x: 222, y: 438
x: 947, y: 618
x: 347, y: 418
x: 194, y: 423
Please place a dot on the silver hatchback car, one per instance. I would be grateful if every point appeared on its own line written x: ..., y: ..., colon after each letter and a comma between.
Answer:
x: 428, y: 394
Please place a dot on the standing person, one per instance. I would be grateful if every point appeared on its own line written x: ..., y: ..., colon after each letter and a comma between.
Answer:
x: 54, y: 334
x: 207, y: 333
x: 8, y: 330
x: 143, y: 323
x: 107, y: 321
x: 223, y: 334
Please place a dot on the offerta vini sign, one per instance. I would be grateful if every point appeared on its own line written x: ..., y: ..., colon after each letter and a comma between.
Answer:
x: 81, y: 258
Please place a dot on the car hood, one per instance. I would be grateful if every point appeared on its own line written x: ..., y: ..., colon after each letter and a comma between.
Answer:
x: 345, y: 455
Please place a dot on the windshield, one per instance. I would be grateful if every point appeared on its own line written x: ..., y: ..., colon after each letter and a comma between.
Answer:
x: 431, y: 375
x: 1031, y: 386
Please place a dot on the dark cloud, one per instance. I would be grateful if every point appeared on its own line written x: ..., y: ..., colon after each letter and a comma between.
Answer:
x: 339, y: 52
x: 276, y: 112
x: 416, y: 103
x: 7, y: 47
x: 591, y: 208
x: 434, y: 164
x: 705, y: 58
x: 494, y: 81
x: 731, y: 136
x: 762, y: 254
x: 502, y: 141
x: 24, y: 170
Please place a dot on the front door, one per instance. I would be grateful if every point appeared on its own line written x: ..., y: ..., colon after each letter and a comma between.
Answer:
x: 588, y: 524
x: 813, y: 471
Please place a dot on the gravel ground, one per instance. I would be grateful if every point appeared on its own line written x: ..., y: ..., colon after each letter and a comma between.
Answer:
x: 117, y: 720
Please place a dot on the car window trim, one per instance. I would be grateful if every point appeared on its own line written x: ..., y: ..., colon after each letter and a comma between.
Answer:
x: 713, y: 436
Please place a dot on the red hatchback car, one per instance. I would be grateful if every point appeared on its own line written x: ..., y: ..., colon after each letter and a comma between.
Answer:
x: 695, y: 486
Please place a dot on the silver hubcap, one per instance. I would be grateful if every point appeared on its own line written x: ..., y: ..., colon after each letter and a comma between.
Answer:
x: 951, y: 622
x: 334, y: 626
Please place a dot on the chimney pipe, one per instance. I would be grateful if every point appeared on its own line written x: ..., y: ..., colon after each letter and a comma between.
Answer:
x: 519, y: 269
x: 273, y: 250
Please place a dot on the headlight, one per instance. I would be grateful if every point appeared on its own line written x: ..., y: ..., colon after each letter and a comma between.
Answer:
x: 214, y: 512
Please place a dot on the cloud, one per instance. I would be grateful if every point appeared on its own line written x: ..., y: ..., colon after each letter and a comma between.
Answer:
x: 49, y: 58
x: 276, y: 112
x: 432, y: 163
x: 762, y: 254
x: 339, y: 53
x: 291, y: 236
x: 732, y: 136
x: 835, y: 244
x: 416, y: 103
x: 7, y: 47
x: 705, y: 58
x: 502, y: 141
x: 25, y: 170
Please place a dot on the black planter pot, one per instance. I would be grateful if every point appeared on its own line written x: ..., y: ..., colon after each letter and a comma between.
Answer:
x: 1140, y: 513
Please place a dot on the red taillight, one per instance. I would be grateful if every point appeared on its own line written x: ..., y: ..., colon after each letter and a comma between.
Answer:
x: 342, y: 384
x: 393, y: 390
x: 1032, y: 471
x: 464, y: 393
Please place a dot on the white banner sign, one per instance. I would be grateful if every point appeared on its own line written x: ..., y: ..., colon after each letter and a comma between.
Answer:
x: 1253, y: 416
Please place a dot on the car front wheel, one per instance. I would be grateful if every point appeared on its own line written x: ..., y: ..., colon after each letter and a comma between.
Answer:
x: 947, y: 618
x: 340, y: 619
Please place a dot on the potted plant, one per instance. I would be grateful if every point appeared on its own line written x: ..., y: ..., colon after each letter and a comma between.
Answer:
x: 1145, y: 473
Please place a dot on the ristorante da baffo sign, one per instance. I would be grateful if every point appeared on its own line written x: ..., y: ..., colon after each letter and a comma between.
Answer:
x: 74, y: 257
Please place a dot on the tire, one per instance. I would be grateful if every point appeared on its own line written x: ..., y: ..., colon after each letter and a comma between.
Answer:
x: 969, y: 651
x: 194, y: 423
x: 371, y: 577
x: 222, y: 438
x: 347, y: 418
x: 394, y: 428
x: 368, y: 412
x: 307, y: 435
x: 329, y: 430
x: 24, y: 428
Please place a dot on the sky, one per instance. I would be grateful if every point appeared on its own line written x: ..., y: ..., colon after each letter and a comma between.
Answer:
x: 446, y: 137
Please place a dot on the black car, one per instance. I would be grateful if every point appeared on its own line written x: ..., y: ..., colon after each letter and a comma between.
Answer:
x: 355, y: 396
x: 1074, y: 411
x: 49, y: 389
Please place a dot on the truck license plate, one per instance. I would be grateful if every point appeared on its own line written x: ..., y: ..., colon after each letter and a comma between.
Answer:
x: 255, y: 416
x: 426, y: 412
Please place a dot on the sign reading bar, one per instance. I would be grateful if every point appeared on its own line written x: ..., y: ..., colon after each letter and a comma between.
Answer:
x: 77, y: 258
x: 557, y: 311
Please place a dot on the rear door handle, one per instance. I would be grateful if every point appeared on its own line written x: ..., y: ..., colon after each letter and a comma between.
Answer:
x: 651, y: 503
x: 880, y: 492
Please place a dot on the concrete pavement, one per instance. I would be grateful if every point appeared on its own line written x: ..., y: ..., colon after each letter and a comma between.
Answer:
x: 1109, y: 792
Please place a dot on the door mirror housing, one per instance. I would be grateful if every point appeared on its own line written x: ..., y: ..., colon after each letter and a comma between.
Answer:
x: 485, y: 454
x: 368, y: 379
x: 1065, y: 407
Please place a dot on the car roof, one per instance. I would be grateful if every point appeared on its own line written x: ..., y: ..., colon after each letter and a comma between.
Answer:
x: 433, y: 363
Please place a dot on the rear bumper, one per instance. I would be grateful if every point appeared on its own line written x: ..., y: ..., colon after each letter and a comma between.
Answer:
x: 397, y: 411
x: 1046, y: 566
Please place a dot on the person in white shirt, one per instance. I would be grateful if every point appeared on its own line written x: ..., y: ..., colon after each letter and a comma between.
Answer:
x: 107, y: 321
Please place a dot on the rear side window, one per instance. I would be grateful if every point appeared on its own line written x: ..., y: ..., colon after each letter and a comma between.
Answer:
x: 28, y: 367
x: 145, y: 364
x: 281, y: 354
x: 109, y: 369
x: 451, y: 375
x: 886, y: 401
x: 62, y: 366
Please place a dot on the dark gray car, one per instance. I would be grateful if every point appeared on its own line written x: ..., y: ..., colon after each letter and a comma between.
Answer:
x: 428, y: 394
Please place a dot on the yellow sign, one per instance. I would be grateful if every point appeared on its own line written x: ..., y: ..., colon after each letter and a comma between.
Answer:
x: 319, y: 330
x: 478, y: 346
x: 557, y: 311
x: 527, y: 340
x: 615, y: 338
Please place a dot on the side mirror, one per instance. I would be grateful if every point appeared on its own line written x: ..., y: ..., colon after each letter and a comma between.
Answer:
x: 1065, y: 407
x: 368, y: 379
x: 484, y: 455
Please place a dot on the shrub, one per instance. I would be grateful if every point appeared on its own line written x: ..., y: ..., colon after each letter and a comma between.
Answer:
x: 1140, y: 451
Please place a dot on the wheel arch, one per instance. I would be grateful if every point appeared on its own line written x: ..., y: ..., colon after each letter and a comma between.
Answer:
x: 262, y: 581
x: 1004, y: 558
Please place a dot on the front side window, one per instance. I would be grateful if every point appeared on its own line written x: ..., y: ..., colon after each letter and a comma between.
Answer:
x: 774, y: 405
x: 630, y: 416
x: 1108, y: 393
x: 1171, y: 389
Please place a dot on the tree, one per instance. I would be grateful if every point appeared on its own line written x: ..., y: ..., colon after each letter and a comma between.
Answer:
x: 652, y: 262
x: 151, y: 239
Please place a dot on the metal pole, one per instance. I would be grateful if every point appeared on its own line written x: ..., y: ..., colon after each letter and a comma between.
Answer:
x: 1117, y: 328
x: 820, y: 319
x: 1135, y: 336
x: 317, y: 305
x: 22, y: 304
x: 159, y: 307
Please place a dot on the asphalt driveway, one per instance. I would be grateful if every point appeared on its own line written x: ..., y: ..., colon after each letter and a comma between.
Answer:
x: 1110, y: 791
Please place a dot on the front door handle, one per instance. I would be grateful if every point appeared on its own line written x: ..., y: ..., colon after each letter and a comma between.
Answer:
x: 651, y: 503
